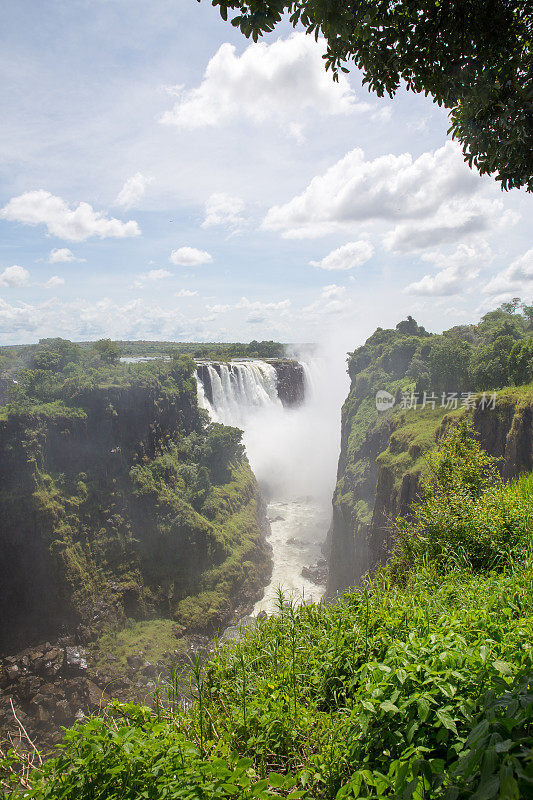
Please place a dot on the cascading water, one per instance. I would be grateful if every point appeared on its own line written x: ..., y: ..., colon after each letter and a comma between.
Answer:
x: 238, y: 389
x: 293, y: 453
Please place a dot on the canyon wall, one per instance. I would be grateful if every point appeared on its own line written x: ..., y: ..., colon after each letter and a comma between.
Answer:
x: 383, y: 451
x: 382, y: 460
x: 120, y: 503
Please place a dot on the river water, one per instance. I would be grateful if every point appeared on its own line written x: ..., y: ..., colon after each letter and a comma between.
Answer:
x: 298, y: 528
x: 293, y: 453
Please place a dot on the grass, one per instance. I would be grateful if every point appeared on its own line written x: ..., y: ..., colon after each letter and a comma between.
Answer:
x: 155, y: 639
x: 379, y: 695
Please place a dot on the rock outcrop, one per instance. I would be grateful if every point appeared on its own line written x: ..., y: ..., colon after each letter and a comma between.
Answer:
x: 382, y: 459
x: 96, y: 521
x: 291, y: 381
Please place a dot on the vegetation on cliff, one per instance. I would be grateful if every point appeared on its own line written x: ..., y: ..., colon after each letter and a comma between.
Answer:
x: 433, y: 379
x: 418, y: 684
x: 119, y: 499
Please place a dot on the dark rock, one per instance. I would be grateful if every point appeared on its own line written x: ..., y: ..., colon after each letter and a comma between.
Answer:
x: 28, y: 686
x: 316, y: 573
x: 135, y: 662
x: 95, y: 696
x: 13, y: 672
x: 42, y: 714
x: 291, y: 381
x: 63, y: 711
x: 75, y: 660
x: 149, y: 670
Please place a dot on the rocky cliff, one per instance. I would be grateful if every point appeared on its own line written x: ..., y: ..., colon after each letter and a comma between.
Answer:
x: 291, y: 381
x: 382, y: 460
x: 383, y: 451
x: 109, y: 509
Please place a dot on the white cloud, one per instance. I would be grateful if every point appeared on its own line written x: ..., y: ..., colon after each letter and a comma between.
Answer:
x: 185, y: 293
x: 132, y: 190
x: 62, y: 255
x: 223, y: 209
x: 333, y: 301
x: 152, y: 275
x: 455, y: 270
x: 54, y: 282
x: 42, y: 208
x: 84, y: 319
x: 382, y: 114
x: 296, y: 130
x: 390, y: 188
x: 350, y: 255
x: 190, y: 257
x: 256, y: 308
x: 456, y: 219
x: 277, y: 81
x: 158, y: 274
x: 518, y: 277
x: 14, y: 276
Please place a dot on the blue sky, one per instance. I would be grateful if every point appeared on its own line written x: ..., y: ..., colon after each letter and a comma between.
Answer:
x: 163, y: 178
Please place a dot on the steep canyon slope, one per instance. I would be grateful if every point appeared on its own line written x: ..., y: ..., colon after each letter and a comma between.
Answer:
x: 119, y: 500
x: 383, y: 452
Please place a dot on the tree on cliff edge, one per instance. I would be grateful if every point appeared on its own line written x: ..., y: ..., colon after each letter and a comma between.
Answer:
x: 472, y: 56
x: 107, y: 351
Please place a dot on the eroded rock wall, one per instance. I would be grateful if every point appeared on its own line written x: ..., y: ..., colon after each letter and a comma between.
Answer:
x: 381, y: 461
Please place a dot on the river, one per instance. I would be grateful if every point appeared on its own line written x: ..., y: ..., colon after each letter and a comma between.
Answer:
x: 293, y: 453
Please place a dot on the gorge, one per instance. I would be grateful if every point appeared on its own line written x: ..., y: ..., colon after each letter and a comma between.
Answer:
x: 281, y: 406
x: 146, y: 505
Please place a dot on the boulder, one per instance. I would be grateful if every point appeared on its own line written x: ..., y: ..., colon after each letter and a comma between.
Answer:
x: 75, y: 660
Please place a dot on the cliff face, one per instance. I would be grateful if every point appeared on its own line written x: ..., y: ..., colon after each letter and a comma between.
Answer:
x: 291, y: 381
x: 107, y: 511
x: 382, y: 460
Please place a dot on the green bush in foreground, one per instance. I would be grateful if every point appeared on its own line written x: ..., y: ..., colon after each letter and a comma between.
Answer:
x: 418, y: 691
x: 467, y: 514
x: 418, y: 685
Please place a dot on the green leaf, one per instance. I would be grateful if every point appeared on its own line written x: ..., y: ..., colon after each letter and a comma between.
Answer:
x: 446, y: 720
x: 509, y: 788
x: 276, y: 780
x: 503, y: 667
x: 388, y: 706
x: 423, y: 708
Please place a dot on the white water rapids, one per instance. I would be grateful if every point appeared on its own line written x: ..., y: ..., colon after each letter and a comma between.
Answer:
x: 293, y: 453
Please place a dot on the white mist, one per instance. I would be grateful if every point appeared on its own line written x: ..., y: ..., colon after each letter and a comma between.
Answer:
x: 293, y: 453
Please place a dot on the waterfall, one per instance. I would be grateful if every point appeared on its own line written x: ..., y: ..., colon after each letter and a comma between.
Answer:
x: 293, y: 452
x: 234, y: 392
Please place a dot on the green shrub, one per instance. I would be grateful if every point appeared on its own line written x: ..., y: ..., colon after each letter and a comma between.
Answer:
x: 466, y: 515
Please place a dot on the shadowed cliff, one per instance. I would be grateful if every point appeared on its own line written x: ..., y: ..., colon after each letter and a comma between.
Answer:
x: 120, y: 500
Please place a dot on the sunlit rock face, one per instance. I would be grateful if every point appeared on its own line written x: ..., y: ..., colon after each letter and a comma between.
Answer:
x: 379, y: 478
